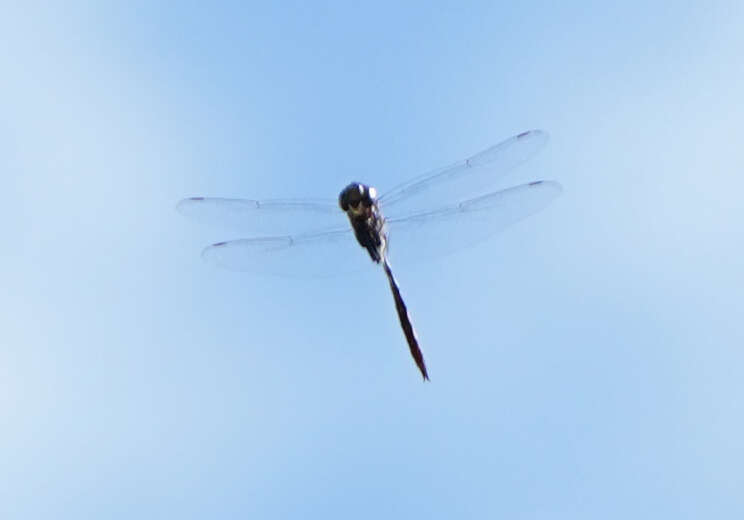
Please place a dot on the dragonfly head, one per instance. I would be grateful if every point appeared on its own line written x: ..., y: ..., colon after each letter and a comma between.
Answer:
x: 357, y: 197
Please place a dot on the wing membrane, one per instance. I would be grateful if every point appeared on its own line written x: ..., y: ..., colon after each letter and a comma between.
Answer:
x: 315, y: 255
x: 269, y: 217
x: 463, y: 179
x: 443, y: 231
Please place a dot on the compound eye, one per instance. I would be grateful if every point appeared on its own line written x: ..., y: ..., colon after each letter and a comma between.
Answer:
x: 370, y: 197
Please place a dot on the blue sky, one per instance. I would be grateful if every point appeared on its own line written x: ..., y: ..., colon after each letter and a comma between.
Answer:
x: 585, y: 363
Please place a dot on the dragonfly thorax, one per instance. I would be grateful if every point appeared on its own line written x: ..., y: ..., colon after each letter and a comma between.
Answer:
x: 359, y: 201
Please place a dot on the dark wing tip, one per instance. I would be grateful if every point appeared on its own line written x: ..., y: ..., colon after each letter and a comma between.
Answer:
x: 219, y: 244
x: 535, y: 132
x: 186, y: 206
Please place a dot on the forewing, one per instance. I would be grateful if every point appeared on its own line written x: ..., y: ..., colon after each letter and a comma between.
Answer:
x: 464, y: 179
x: 269, y: 217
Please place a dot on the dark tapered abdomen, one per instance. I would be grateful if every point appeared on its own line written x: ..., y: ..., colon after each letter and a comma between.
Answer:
x: 405, y: 321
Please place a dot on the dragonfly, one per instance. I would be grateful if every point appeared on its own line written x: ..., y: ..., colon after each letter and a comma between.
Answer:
x: 427, y: 216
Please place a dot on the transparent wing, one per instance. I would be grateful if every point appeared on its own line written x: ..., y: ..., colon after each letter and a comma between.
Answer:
x: 443, y: 231
x: 463, y: 179
x: 269, y: 217
x: 312, y: 255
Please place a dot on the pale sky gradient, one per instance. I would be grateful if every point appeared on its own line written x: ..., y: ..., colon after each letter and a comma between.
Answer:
x: 586, y: 363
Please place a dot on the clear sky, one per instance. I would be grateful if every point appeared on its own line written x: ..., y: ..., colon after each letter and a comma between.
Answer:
x: 586, y: 363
